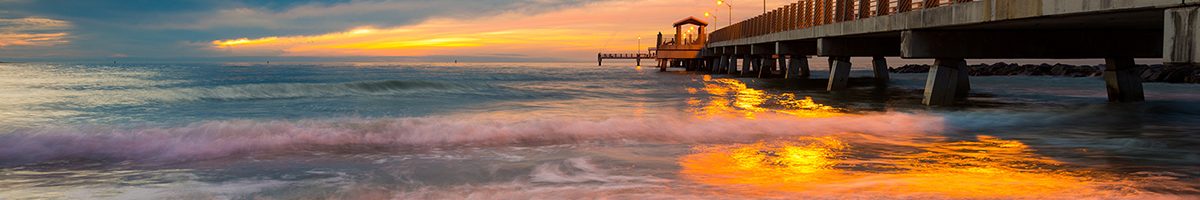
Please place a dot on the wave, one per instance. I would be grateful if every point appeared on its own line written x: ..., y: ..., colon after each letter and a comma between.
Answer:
x: 302, y: 90
x: 272, y: 91
x: 217, y: 139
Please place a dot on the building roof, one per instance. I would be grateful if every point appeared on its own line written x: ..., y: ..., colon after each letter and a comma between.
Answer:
x: 692, y: 21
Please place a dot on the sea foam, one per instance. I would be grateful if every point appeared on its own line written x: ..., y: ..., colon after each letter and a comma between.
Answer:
x: 217, y: 139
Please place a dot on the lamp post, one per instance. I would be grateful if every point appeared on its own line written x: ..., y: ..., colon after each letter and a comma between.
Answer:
x: 727, y: 5
x: 638, y: 51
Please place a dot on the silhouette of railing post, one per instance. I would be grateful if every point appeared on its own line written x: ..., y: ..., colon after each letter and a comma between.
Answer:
x: 881, y: 7
x: 864, y: 9
x: 903, y: 6
x: 931, y: 3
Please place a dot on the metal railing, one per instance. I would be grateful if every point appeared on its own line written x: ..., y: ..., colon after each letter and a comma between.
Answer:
x: 625, y: 55
x: 809, y: 13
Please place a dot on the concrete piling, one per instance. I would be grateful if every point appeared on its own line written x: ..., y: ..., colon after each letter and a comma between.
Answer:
x: 766, y: 67
x: 839, y: 73
x: 880, y: 68
x: 797, y: 67
x: 1124, y: 84
x: 941, y: 88
x: 746, y: 65
x: 1181, y: 36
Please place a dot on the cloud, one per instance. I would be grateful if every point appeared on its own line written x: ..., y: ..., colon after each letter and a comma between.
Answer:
x: 32, y: 24
x: 33, y: 31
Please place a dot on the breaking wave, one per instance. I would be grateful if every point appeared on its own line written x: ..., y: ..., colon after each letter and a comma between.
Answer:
x: 277, y: 91
x: 302, y: 90
x: 216, y: 139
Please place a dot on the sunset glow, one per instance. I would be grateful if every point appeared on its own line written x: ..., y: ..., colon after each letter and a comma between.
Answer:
x: 566, y: 33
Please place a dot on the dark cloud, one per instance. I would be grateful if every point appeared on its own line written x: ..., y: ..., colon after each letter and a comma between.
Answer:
x: 162, y: 28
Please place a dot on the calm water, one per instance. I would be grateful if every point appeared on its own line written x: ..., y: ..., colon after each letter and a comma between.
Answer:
x: 574, y: 131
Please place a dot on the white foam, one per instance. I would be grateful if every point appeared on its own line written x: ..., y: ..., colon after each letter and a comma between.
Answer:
x: 216, y: 139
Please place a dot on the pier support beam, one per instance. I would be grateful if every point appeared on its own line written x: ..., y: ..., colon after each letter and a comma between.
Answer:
x: 756, y: 64
x: 723, y: 64
x: 797, y: 67
x: 746, y: 60
x: 1049, y: 44
x: 768, y: 64
x: 942, y: 86
x: 783, y: 65
x: 1181, y: 36
x: 879, y: 65
x: 839, y: 73
x: 731, y: 65
x: 1124, y: 84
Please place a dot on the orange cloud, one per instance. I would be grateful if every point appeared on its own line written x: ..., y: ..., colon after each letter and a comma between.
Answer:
x: 575, y: 32
x: 32, y: 39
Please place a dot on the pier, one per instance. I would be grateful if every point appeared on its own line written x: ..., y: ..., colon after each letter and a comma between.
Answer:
x: 625, y: 56
x: 780, y: 41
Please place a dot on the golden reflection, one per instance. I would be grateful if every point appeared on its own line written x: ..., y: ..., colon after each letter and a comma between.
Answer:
x: 764, y: 164
x: 986, y: 168
x: 732, y: 97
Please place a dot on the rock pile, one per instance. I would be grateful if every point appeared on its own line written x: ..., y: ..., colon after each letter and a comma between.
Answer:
x: 1149, y: 73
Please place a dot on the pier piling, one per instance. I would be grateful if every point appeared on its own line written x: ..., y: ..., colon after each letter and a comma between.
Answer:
x: 1124, y: 84
x: 941, y: 87
x: 880, y: 68
x: 839, y: 73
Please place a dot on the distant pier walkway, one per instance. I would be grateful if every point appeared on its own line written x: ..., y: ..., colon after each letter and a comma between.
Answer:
x: 950, y: 31
x: 625, y: 56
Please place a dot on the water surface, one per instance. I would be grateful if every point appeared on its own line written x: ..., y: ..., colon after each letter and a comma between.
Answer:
x: 573, y: 130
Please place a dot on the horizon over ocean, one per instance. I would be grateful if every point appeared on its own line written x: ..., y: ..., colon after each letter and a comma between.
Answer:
x: 379, y: 130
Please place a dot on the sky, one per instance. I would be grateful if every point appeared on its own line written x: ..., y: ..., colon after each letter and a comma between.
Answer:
x: 348, y: 30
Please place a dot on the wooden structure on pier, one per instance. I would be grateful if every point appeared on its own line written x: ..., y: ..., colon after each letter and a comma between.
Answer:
x: 682, y: 50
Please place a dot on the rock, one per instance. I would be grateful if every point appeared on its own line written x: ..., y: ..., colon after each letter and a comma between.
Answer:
x: 911, y: 69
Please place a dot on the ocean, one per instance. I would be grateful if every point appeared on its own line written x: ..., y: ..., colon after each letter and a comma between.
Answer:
x: 575, y: 131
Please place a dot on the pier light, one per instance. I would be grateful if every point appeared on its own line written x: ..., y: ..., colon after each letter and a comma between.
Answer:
x: 730, y: 7
x: 710, y: 15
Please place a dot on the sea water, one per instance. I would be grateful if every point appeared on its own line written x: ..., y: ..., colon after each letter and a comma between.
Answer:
x: 575, y: 131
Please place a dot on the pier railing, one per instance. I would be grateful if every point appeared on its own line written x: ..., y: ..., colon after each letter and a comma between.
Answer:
x: 625, y: 55
x: 809, y: 13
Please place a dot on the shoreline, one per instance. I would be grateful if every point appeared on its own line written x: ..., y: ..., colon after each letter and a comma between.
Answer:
x: 1149, y: 73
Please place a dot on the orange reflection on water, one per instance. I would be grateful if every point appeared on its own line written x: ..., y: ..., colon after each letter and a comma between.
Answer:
x: 774, y: 165
x: 732, y: 97
x: 987, y: 168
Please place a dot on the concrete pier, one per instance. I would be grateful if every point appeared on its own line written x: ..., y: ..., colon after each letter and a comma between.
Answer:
x: 941, y: 87
x: 733, y: 65
x: 1181, y: 36
x: 1124, y: 84
x: 839, y: 73
x: 768, y: 64
x: 746, y: 63
x: 880, y: 68
x: 953, y: 30
x: 797, y: 67
x: 783, y: 65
